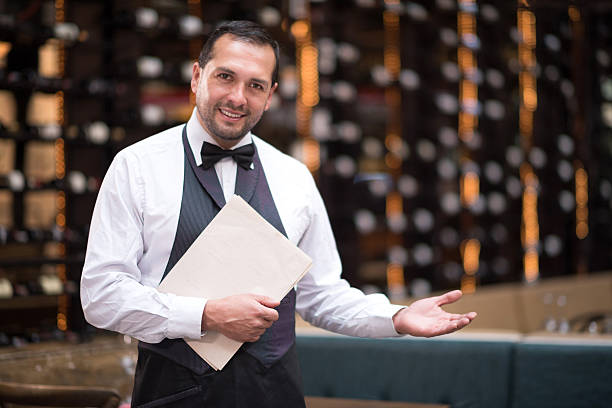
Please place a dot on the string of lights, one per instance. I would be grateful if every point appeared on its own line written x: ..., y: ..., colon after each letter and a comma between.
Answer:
x: 195, y: 43
x: 306, y: 56
x: 60, y: 172
x: 467, y: 126
x: 581, y: 177
x: 394, y: 208
x: 528, y: 102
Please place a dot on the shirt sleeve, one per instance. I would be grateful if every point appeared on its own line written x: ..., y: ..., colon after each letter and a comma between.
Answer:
x: 112, y: 294
x: 327, y: 301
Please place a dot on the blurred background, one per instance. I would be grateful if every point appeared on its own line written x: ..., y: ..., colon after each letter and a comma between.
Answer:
x: 457, y: 144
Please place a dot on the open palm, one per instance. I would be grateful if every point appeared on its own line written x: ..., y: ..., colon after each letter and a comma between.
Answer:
x: 426, y: 318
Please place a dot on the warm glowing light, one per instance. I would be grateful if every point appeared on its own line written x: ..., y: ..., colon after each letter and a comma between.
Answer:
x: 5, y: 47
x: 393, y: 142
x: 582, y: 200
x: 59, y: 11
x: 467, y: 124
x: 526, y: 26
x: 468, y: 284
x: 60, y: 164
x: 300, y: 29
x: 60, y: 201
x: 392, y: 59
x: 306, y: 56
x: 393, y: 161
x: 311, y: 153
x: 395, y: 204
x: 582, y: 230
x: 470, y: 188
x: 526, y: 126
x: 466, y: 23
x: 395, y: 275
x: 530, y: 230
x: 468, y: 91
x: 574, y: 13
x: 526, y: 57
x: 309, y: 76
x: 303, y: 114
x: 531, y: 266
x: 470, y: 252
x: 527, y: 83
x: 60, y: 104
x: 466, y: 60
x: 61, y: 323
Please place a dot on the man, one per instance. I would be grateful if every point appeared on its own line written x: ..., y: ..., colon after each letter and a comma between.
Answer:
x: 157, y: 197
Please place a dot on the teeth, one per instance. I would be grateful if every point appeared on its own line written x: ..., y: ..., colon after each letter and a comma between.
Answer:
x: 231, y: 115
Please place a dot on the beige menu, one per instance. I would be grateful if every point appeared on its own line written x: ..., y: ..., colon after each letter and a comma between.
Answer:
x: 238, y: 252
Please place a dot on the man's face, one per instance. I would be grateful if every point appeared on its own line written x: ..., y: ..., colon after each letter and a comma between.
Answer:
x: 233, y: 89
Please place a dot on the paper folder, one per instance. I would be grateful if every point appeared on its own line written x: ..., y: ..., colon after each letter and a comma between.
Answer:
x: 238, y: 252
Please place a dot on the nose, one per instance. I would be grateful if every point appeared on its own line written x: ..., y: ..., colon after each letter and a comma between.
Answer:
x: 237, y: 95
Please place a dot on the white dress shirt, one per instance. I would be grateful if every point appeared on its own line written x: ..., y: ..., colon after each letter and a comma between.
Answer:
x: 133, y: 227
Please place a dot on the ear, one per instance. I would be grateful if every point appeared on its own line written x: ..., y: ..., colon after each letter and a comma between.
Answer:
x: 270, y: 95
x: 195, y: 77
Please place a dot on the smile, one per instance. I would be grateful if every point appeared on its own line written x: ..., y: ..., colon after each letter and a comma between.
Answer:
x: 230, y: 114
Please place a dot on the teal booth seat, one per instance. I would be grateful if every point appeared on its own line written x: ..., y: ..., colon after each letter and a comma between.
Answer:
x: 461, y: 373
x: 563, y: 374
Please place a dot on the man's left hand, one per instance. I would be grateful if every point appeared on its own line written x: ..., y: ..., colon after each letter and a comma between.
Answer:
x: 425, y: 317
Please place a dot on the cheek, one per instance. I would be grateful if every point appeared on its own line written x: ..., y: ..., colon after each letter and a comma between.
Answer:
x: 258, y: 103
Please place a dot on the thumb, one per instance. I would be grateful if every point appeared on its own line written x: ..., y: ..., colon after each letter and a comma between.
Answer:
x: 267, y: 301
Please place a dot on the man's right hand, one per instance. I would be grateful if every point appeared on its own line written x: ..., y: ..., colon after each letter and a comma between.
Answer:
x: 240, y: 317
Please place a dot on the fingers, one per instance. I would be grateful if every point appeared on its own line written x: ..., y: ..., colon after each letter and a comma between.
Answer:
x: 470, y: 316
x: 267, y: 312
x: 265, y: 308
x: 253, y: 337
x: 461, y: 321
x: 449, y: 297
x: 269, y: 315
x: 266, y: 301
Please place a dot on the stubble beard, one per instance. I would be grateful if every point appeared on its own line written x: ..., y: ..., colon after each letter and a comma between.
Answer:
x: 225, y: 132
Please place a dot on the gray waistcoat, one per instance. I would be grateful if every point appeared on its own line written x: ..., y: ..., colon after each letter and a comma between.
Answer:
x: 202, y: 199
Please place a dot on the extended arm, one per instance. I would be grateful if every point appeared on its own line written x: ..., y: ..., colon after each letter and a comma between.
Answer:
x: 327, y: 301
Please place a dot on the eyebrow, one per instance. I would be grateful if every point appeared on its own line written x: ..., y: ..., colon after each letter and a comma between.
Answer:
x: 229, y: 71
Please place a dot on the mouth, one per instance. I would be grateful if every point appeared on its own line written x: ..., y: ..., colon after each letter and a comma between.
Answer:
x: 231, y: 115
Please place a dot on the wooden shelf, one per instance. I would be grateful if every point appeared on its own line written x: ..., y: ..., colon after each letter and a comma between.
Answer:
x: 29, y: 302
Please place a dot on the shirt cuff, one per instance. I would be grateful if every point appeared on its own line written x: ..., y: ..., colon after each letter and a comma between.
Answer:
x: 185, y: 319
x: 384, y: 326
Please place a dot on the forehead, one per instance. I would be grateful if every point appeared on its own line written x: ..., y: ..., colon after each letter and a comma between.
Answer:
x: 257, y: 60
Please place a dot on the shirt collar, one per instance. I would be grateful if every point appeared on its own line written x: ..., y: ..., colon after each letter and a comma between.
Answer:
x: 196, y: 135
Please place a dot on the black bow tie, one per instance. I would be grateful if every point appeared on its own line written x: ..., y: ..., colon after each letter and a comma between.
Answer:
x: 211, y: 154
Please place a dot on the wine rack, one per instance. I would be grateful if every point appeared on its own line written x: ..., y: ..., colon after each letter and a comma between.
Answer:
x: 391, y: 85
x: 79, y: 81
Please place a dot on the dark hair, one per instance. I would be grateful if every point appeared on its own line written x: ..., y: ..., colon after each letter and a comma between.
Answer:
x: 243, y: 30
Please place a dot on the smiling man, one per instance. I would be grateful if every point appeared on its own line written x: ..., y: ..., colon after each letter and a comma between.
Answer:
x: 233, y: 87
x: 160, y: 193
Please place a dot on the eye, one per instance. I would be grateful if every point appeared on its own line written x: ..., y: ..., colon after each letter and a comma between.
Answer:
x: 224, y: 76
x: 258, y: 86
